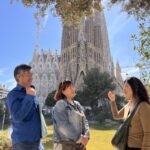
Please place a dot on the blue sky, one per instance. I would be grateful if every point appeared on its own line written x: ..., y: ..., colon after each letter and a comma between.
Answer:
x: 18, y: 37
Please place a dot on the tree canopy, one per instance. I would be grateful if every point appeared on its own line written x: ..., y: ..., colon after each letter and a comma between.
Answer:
x: 71, y: 11
x: 50, y: 99
x: 96, y: 87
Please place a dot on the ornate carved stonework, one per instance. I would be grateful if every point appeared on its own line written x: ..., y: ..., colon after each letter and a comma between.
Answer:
x: 82, y: 48
x: 45, y: 67
x: 85, y: 47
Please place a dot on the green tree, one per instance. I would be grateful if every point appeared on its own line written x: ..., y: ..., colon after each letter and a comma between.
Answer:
x: 4, y: 111
x: 72, y: 11
x: 50, y: 99
x: 132, y: 7
x: 142, y: 40
x: 142, y: 46
x: 140, y: 9
x: 96, y: 87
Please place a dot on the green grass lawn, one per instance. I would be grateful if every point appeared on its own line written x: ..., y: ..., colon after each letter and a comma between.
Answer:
x: 100, y: 139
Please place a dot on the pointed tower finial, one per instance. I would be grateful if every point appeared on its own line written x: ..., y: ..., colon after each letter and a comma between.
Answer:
x: 56, y: 52
x: 36, y: 16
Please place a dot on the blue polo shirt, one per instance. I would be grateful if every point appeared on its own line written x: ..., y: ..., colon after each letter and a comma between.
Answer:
x: 25, y: 116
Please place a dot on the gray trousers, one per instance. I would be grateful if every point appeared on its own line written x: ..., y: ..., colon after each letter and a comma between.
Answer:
x: 58, y: 146
x: 27, y: 146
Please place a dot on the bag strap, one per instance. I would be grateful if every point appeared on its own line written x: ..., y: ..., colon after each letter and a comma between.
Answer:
x: 75, y: 106
x: 133, y: 112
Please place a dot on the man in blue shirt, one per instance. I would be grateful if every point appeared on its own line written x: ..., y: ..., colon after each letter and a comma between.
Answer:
x: 24, y: 111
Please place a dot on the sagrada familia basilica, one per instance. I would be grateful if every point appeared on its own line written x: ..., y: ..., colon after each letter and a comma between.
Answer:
x: 83, y: 47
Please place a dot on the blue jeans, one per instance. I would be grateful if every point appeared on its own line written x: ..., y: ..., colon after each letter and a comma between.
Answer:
x: 28, y: 146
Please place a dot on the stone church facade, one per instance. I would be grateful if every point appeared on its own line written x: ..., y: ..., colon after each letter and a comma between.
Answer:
x: 45, y: 68
x: 86, y: 47
x: 82, y: 48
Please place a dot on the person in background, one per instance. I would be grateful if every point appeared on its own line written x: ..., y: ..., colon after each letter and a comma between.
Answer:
x: 139, y: 131
x: 70, y: 126
x: 26, y: 121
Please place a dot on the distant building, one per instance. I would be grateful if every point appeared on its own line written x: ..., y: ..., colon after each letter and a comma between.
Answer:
x: 3, y: 91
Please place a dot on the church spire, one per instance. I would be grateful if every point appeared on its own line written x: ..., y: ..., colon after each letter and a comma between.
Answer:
x: 36, y: 16
x: 118, y: 73
x: 35, y: 56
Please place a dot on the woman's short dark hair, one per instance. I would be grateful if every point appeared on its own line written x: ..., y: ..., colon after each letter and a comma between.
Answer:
x: 138, y: 89
x: 62, y: 86
x: 19, y: 68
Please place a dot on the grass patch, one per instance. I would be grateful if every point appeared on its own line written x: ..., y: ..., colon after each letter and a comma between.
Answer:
x: 5, y: 142
x: 100, y: 138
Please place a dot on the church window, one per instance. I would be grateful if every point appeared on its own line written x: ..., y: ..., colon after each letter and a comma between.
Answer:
x: 73, y: 36
x: 73, y: 52
x: 71, y: 55
x: 97, y: 37
x: 68, y: 56
x: 94, y: 56
x: 64, y: 58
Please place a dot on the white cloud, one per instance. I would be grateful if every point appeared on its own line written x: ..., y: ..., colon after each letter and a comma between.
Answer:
x: 131, y: 71
x: 116, y: 19
x: 119, y: 23
x: 2, y: 71
x: 10, y: 83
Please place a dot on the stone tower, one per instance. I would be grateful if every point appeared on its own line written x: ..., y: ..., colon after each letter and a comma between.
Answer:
x: 85, y: 47
x: 82, y: 48
x: 118, y: 78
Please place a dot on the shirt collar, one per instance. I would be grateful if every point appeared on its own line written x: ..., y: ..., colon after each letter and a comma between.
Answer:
x: 20, y: 87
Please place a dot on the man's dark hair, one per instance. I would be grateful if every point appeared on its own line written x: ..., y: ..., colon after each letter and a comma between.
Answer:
x: 19, y: 68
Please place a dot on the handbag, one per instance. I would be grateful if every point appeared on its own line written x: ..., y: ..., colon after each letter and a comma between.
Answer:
x: 120, y: 138
x: 44, y: 130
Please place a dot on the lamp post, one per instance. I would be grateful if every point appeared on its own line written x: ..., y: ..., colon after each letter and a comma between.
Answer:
x: 4, y: 113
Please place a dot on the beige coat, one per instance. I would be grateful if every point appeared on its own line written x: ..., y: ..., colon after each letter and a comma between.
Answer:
x: 139, y: 131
